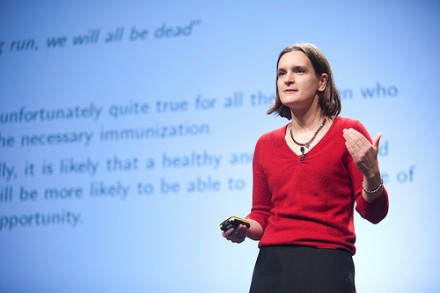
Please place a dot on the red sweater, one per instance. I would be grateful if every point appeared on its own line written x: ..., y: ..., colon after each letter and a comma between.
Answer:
x: 310, y: 202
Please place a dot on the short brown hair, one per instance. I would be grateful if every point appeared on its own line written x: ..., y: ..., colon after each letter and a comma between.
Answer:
x: 329, y: 99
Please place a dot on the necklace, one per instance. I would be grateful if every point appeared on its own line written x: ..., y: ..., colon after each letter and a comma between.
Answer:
x: 307, y: 144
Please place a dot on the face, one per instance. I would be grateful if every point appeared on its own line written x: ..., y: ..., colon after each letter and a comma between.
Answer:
x: 297, y: 82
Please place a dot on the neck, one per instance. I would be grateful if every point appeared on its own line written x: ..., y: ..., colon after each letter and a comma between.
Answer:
x: 306, y: 116
x: 306, y: 121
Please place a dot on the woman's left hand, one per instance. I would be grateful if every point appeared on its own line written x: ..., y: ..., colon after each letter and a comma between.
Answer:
x: 363, y: 152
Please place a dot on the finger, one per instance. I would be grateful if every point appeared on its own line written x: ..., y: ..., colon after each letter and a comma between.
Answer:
x: 351, y: 141
x: 242, y: 230
x: 351, y: 138
x: 228, y: 232
x: 239, y: 234
x: 356, y: 141
x: 376, y: 141
x: 355, y: 136
x: 346, y: 133
x: 350, y: 133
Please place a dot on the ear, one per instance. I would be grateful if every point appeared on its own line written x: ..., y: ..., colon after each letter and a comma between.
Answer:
x: 323, y: 82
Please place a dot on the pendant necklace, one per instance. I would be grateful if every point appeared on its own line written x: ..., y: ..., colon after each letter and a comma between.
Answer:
x: 306, y: 144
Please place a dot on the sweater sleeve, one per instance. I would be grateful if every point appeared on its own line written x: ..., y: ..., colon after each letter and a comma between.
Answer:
x: 261, y: 195
x: 376, y: 210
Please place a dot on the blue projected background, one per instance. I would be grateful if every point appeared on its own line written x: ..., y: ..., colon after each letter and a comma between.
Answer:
x: 127, y: 130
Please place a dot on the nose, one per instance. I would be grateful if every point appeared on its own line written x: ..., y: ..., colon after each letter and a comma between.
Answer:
x: 288, y: 78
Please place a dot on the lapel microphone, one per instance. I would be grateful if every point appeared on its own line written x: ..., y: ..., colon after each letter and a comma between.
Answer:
x: 303, y: 156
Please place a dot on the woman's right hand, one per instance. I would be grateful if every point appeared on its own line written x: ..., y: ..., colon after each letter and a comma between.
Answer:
x: 236, y: 235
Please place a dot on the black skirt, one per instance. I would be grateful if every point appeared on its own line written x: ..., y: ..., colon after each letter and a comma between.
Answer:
x: 301, y: 269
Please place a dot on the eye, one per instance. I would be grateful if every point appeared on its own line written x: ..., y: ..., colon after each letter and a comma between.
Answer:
x: 299, y: 70
x: 281, y: 73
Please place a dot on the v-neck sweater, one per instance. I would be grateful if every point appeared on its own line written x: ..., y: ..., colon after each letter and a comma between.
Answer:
x: 310, y: 201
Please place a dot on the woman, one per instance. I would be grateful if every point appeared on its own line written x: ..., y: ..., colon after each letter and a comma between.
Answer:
x: 308, y: 177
